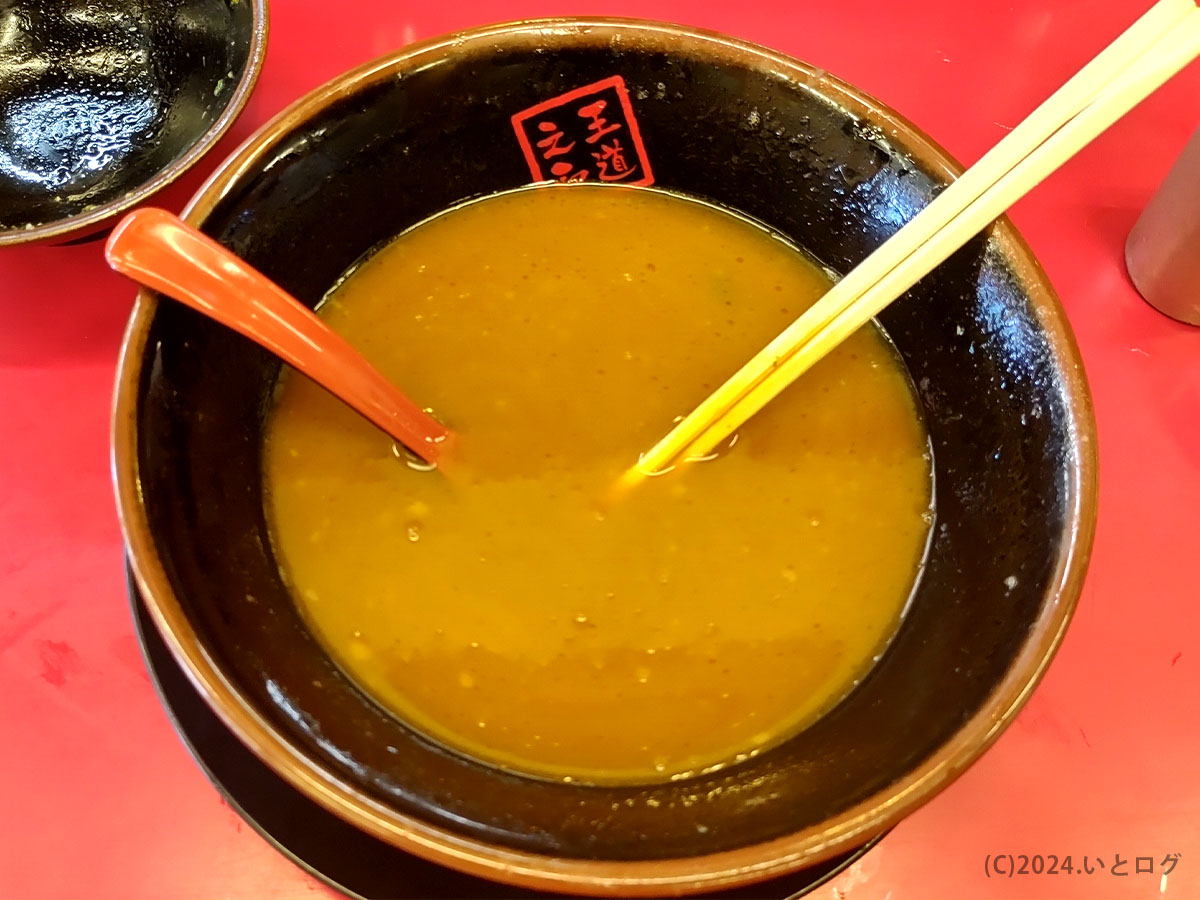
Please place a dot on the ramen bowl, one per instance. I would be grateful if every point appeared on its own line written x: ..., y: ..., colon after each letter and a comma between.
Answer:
x: 390, y: 144
x: 104, y: 104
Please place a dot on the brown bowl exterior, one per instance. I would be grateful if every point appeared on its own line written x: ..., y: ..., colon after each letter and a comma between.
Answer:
x: 385, y: 146
x: 201, y: 61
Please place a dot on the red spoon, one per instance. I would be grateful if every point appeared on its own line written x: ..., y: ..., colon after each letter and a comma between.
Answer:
x: 160, y: 251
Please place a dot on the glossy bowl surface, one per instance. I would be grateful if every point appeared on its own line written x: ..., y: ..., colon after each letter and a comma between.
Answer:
x: 105, y: 102
x: 389, y: 144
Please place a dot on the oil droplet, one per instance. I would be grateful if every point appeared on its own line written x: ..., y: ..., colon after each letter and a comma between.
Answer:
x: 642, y: 674
x: 414, y: 532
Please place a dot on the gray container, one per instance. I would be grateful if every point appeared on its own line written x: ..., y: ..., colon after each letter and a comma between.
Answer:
x: 1162, y: 253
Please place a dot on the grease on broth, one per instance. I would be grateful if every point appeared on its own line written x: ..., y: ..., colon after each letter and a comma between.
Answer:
x: 507, y: 612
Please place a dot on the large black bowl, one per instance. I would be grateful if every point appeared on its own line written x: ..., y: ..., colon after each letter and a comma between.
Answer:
x: 105, y: 102
x: 389, y: 144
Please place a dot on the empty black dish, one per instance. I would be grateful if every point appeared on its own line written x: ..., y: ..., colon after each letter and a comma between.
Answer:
x: 105, y: 102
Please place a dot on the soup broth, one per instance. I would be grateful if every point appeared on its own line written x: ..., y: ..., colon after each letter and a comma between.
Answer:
x: 503, y: 606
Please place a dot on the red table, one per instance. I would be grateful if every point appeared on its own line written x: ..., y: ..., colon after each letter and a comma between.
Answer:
x: 100, y: 800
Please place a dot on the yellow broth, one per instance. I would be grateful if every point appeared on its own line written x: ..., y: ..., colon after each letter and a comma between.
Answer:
x: 502, y: 606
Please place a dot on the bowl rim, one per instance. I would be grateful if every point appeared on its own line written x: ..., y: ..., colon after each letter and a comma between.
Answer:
x: 94, y: 219
x: 659, y: 877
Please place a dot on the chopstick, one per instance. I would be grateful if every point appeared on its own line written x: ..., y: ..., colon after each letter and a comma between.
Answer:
x: 1177, y: 50
x: 1158, y: 45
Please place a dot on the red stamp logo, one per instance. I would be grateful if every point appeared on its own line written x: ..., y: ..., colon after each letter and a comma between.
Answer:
x: 586, y: 134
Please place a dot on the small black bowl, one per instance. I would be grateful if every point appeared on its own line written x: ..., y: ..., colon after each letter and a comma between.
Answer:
x: 388, y: 145
x: 105, y: 102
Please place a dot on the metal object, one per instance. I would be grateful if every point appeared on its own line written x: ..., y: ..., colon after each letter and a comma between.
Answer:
x: 1163, y: 250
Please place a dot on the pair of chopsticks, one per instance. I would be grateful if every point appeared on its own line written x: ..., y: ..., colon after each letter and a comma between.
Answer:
x: 1141, y: 60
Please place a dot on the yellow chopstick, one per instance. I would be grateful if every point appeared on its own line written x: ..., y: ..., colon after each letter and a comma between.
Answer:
x: 1146, y: 55
x: 1166, y: 58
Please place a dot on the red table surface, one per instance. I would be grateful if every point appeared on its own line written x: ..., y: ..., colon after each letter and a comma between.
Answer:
x: 99, y: 798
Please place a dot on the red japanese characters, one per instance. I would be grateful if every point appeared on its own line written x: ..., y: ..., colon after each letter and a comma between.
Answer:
x: 588, y: 134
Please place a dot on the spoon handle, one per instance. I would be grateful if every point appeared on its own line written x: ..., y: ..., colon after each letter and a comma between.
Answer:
x: 160, y: 251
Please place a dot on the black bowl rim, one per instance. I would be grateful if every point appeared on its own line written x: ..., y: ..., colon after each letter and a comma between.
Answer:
x: 94, y: 219
x: 662, y: 877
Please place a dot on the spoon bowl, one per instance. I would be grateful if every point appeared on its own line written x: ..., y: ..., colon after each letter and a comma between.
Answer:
x: 387, y: 146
